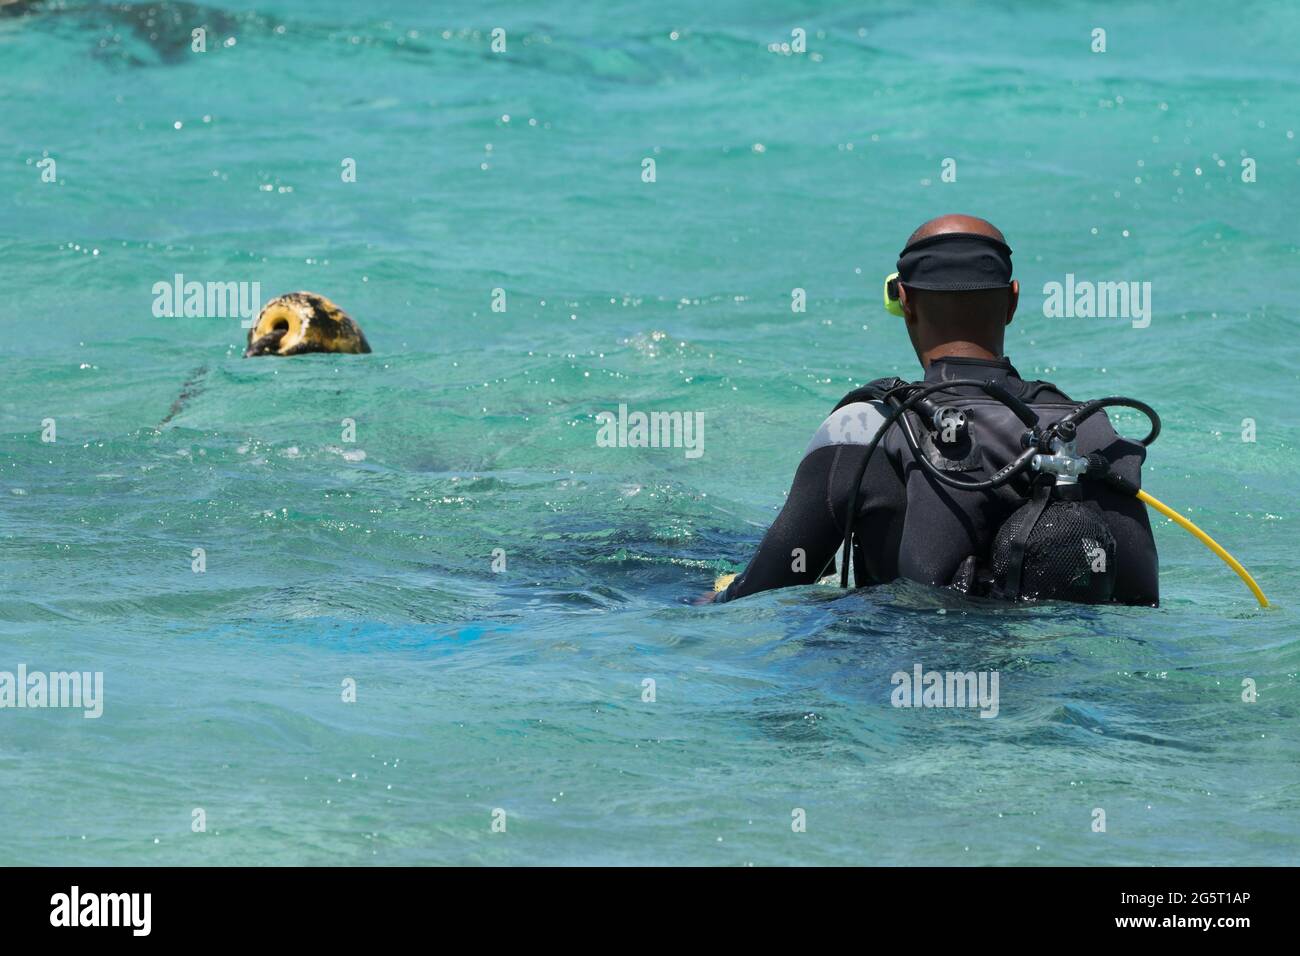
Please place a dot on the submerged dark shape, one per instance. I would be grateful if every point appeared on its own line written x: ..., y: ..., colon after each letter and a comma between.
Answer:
x: 192, y: 388
x: 167, y: 29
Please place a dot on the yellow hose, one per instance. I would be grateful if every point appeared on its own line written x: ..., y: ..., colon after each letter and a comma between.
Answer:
x: 1206, y: 540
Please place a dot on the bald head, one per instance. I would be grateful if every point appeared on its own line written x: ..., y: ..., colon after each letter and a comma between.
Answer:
x: 956, y: 222
x: 970, y: 324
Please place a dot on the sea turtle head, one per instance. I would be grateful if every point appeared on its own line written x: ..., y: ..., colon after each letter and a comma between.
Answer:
x: 302, y: 322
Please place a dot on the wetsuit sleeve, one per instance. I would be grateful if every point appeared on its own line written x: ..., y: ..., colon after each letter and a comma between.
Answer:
x: 803, y: 539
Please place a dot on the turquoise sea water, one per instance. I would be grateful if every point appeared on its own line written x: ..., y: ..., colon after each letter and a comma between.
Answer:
x: 475, y: 430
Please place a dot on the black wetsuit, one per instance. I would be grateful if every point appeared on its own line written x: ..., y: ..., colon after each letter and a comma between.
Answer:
x: 910, y: 525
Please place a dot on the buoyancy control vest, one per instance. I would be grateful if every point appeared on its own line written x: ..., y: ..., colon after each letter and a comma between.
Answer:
x: 1016, y: 468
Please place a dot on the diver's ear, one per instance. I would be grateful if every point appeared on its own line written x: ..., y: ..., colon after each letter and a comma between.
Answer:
x: 905, y: 304
x: 1013, y: 300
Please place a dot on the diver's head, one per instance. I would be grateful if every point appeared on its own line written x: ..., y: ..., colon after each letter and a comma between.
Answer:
x: 955, y: 289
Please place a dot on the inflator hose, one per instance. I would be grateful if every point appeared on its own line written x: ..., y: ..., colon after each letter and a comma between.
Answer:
x: 1126, y: 486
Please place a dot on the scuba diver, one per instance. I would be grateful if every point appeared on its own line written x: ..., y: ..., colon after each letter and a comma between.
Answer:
x: 981, y: 481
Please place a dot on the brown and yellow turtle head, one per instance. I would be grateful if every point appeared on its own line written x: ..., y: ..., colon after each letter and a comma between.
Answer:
x: 302, y: 322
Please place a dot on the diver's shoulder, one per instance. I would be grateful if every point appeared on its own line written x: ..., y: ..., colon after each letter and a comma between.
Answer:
x: 855, y: 419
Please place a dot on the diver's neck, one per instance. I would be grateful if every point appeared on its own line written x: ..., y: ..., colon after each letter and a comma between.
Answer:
x: 968, y: 350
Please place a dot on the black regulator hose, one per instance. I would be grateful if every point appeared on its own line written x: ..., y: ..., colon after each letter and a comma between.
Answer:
x: 1090, y: 408
x: 1001, y: 477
